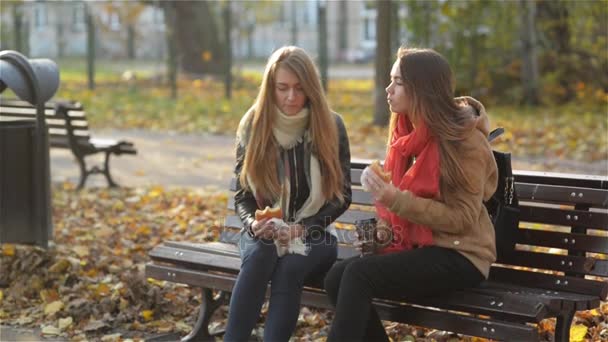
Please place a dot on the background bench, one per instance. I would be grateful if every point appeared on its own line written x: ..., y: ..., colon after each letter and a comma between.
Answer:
x: 558, y: 267
x: 68, y: 128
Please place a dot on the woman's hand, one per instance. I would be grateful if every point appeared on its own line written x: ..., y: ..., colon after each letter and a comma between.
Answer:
x: 286, y: 235
x: 384, y: 193
x: 263, y: 229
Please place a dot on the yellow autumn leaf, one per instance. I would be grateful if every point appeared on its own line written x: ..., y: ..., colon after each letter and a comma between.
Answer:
x: 147, y: 315
x: 65, y: 322
x: 52, y: 308
x: 81, y: 251
x: 577, y: 333
x: 103, y: 290
x: 1, y: 296
x: 8, y: 249
x: 156, y: 191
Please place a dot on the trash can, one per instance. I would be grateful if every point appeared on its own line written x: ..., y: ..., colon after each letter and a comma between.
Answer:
x: 17, y: 196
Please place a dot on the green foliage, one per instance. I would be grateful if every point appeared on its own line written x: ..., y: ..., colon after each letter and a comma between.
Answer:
x: 482, y: 41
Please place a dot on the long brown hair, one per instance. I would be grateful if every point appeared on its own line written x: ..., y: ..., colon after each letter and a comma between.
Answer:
x: 429, y: 84
x: 261, y: 158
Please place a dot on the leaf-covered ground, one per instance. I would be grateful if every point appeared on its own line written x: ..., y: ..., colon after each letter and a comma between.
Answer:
x: 90, y: 284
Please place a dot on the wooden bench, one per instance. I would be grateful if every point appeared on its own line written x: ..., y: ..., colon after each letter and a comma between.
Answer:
x: 559, y: 265
x: 68, y: 128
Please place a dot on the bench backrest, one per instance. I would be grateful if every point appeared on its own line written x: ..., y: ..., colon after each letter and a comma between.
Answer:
x: 562, y: 236
x: 71, y: 117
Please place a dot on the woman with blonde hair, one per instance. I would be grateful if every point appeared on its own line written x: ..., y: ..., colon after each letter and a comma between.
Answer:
x: 292, y: 153
x: 441, y: 237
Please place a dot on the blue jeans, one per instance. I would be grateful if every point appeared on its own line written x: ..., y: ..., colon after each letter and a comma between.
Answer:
x: 260, y: 264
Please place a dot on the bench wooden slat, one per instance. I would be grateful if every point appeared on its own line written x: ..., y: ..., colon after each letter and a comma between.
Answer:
x: 497, y: 305
x: 530, y: 192
x: 199, y: 261
x: 564, y: 217
x: 481, y: 303
x: 562, y: 194
x: 562, y: 263
x: 549, y: 281
x: 554, y: 300
x: 387, y: 310
x: 569, y: 241
x: 349, y: 217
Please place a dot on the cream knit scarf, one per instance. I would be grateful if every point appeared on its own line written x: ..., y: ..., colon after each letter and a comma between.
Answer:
x: 289, y: 130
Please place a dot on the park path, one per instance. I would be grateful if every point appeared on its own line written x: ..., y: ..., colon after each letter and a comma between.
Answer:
x: 207, y: 160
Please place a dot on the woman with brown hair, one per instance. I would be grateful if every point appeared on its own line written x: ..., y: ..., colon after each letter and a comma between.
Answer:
x: 441, y: 237
x: 292, y: 153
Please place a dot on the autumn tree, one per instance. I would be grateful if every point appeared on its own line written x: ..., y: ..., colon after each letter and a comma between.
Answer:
x: 197, y: 36
x: 383, y: 62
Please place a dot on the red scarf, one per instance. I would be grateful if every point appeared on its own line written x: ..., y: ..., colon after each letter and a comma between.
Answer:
x: 421, y: 179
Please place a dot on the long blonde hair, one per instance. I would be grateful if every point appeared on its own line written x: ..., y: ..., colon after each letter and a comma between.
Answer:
x: 261, y: 156
x: 429, y: 84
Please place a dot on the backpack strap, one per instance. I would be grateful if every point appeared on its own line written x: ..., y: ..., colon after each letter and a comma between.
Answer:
x: 495, y: 133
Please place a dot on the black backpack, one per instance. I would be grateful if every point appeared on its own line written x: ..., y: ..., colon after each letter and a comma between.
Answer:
x: 503, y: 206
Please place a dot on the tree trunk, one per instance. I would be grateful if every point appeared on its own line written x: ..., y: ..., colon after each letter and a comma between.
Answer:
x: 383, y: 62
x: 529, y: 71
x: 294, y: 24
x: 228, y: 50
x: 427, y: 10
x: 395, y: 27
x: 554, y: 18
x: 90, y: 47
x: 60, y: 39
x: 197, y: 36
x: 130, y: 41
x: 18, y: 27
x: 323, y: 58
x: 171, y: 26
x: 342, y: 30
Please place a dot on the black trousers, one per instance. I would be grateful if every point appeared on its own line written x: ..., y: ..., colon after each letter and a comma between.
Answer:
x: 351, y: 284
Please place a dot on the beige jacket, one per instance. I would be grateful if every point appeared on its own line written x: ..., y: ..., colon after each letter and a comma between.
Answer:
x: 465, y: 224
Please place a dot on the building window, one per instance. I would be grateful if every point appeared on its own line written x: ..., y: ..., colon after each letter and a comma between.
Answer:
x: 111, y: 20
x: 78, y: 17
x: 40, y: 16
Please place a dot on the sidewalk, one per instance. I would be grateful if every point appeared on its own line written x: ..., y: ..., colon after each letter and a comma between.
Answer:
x: 201, y: 160
x: 207, y: 160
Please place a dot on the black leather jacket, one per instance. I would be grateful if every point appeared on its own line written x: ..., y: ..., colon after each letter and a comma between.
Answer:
x: 246, y: 204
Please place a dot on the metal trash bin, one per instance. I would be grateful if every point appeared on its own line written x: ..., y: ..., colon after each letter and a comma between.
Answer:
x: 25, y: 193
x: 17, y: 195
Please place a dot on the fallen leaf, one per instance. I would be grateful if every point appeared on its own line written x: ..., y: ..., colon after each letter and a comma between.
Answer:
x: 50, y: 330
x: 81, y: 251
x: 94, y: 325
x: 147, y: 315
x: 577, y: 333
x: 53, y: 307
x: 60, y: 266
x: 65, y: 322
x: 111, y: 337
x: 8, y: 249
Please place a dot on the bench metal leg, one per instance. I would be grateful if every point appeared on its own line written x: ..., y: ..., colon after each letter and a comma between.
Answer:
x: 84, y: 173
x: 562, y: 326
x: 106, y: 170
x: 200, y: 332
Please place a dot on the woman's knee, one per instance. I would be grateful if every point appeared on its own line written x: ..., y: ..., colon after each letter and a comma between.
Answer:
x: 333, y: 279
